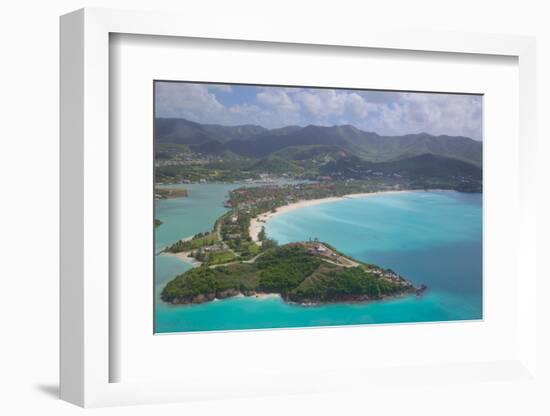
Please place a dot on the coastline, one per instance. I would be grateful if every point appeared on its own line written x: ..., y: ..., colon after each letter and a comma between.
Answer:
x: 231, y: 294
x: 258, y: 222
x: 185, y: 255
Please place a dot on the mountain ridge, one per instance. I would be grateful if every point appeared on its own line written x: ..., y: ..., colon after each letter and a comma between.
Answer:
x: 253, y: 141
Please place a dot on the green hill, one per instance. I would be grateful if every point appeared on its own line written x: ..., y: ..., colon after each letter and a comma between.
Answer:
x: 421, y: 166
x: 276, y: 165
x: 257, y: 142
x: 291, y: 271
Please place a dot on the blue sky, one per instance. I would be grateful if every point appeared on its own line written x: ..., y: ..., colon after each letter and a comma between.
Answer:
x: 384, y: 112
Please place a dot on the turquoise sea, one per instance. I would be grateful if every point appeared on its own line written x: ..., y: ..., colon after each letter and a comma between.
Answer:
x: 428, y: 237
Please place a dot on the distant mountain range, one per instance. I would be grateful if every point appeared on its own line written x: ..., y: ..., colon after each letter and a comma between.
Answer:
x: 257, y: 142
x: 337, y: 151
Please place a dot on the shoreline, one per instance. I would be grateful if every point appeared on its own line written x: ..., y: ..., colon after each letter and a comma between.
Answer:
x: 306, y: 304
x: 258, y: 222
x: 184, y: 256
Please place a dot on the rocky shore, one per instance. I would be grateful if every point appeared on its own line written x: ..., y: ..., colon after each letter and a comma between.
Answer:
x: 230, y: 293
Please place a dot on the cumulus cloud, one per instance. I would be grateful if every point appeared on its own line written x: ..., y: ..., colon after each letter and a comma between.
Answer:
x: 387, y: 113
x: 277, y: 99
x: 322, y: 103
x: 451, y: 114
x: 192, y: 101
x: 359, y: 106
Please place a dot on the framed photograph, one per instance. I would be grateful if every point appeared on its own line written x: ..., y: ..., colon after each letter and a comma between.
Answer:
x: 290, y: 212
x: 304, y: 207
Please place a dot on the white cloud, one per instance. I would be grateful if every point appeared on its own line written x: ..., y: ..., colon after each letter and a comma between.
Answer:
x: 192, y: 101
x: 322, y: 103
x: 455, y: 115
x: 277, y: 99
x: 358, y: 105
x: 325, y: 104
x: 387, y: 113
x: 278, y: 107
x: 443, y: 114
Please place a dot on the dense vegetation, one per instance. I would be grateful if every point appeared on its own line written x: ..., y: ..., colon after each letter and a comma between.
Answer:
x: 204, y: 283
x: 290, y: 271
x: 197, y: 282
x: 210, y: 171
x: 197, y: 241
x: 255, y: 200
x: 283, y: 269
x: 334, y: 283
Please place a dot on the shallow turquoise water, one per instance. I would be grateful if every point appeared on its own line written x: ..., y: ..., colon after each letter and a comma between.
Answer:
x: 428, y: 237
x: 183, y: 217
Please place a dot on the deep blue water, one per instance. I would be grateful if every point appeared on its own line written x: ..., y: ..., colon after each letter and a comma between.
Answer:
x: 428, y: 237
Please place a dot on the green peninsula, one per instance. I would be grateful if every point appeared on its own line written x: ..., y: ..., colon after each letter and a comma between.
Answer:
x: 236, y: 257
x: 303, y: 272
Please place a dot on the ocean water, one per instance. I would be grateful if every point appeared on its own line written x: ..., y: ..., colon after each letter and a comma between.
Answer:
x: 432, y: 237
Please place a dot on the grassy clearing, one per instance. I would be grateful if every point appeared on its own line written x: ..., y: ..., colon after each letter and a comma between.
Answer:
x: 195, y: 243
x: 220, y: 257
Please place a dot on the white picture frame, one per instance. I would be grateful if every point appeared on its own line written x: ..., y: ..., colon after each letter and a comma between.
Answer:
x: 85, y: 210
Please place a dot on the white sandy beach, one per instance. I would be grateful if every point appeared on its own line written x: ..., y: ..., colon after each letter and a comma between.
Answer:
x: 257, y: 223
x: 184, y: 256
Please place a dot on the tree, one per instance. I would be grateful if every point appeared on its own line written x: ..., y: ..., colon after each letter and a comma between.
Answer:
x: 262, y: 235
x: 269, y: 243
